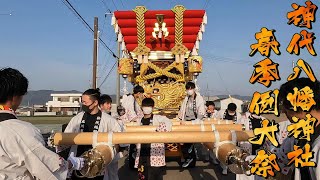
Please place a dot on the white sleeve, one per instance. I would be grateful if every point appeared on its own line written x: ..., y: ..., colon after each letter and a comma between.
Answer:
x: 115, y: 125
x: 201, y: 108
x: 74, y: 124
x: 218, y: 115
x: 182, y: 108
x: 40, y: 161
x: 131, y: 114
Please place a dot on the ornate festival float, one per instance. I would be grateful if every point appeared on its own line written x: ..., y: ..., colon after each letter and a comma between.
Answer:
x: 160, y: 53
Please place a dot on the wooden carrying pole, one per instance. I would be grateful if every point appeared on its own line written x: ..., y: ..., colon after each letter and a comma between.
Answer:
x: 175, y: 122
x: 188, y: 128
x: 147, y: 137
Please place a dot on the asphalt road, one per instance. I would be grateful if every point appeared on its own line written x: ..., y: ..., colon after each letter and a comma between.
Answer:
x: 202, y: 171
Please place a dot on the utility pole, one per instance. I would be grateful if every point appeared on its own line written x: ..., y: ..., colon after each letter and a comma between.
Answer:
x: 95, y: 54
x: 207, y: 92
x: 118, y: 77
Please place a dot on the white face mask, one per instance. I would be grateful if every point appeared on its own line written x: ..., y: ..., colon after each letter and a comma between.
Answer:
x: 147, y: 110
x: 190, y: 92
x: 231, y: 113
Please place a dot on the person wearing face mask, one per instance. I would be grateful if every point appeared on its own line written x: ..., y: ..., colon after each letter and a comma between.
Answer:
x: 192, y: 109
x: 92, y: 119
x: 23, y: 154
x: 105, y: 103
x: 230, y: 113
x: 150, y: 158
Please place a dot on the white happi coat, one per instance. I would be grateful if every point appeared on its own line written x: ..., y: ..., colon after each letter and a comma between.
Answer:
x: 107, y: 124
x: 220, y: 115
x: 129, y: 104
x: 23, y: 155
x: 201, y: 111
x: 157, y: 152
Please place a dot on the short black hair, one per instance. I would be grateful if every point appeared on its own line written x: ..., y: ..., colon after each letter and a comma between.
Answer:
x: 299, y: 83
x: 190, y: 85
x: 12, y: 83
x: 232, y: 107
x: 94, y: 94
x: 105, y: 99
x: 210, y: 103
x: 147, y: 102
x: 138, y: 89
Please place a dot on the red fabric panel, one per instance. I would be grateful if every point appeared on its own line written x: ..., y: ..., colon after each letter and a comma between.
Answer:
x: 149, y: 39
x: 152, y: 14
x: 186, y: 31
x: 187, y: 22
x: 191, y: 25
x: 157, y: 47
x: 193, y: 13
x: 125, y: 15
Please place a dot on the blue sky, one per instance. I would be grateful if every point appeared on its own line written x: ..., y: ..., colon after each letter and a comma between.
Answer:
x: 53, y: 49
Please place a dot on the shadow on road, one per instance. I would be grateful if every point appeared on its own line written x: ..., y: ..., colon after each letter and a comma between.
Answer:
x: 203, y: 171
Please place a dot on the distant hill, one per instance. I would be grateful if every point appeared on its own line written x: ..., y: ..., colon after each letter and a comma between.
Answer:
x: 40, y: 97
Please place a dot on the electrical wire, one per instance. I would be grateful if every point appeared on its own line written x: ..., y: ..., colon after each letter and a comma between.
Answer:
x: 75, y: 12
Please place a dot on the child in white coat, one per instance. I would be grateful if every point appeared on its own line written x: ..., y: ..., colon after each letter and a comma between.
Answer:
x: 150, y: 158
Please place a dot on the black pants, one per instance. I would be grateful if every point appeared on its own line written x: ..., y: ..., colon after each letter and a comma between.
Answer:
x: 151, y: 173
x: 185, y: 150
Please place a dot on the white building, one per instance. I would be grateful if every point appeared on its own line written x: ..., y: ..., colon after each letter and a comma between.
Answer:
x: 64, y: 104
x: 210, y: 98
x: 223, y: 103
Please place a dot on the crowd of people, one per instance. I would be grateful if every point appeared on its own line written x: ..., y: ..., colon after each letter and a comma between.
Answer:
x: 23, y: 154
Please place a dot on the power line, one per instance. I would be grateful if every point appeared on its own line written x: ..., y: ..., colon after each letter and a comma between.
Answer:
x: 122, y: 3
x: 206, y: 4
x: 105, y: 65
x: 105, y: 5
x: 114, y: 5
x: 222, y: 82
x: 104, y: 80
x: 69, y: 5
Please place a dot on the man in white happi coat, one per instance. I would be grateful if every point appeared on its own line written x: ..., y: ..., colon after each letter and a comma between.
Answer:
x: 192, y: 109
x: 23, y: 154
x: 150, y: 158
x: 230, y: 113
x: 91, y: 119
